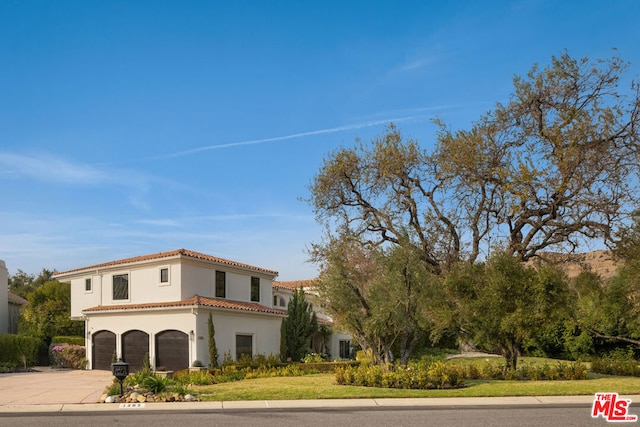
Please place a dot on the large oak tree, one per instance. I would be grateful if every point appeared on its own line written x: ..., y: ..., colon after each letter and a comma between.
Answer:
x: 552, y: 168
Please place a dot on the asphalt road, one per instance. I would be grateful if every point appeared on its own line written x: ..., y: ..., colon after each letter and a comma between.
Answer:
x: 525, y: 416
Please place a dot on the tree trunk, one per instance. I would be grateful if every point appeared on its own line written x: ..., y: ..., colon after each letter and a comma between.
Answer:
x: 407, y: 347
x: 510, y: 353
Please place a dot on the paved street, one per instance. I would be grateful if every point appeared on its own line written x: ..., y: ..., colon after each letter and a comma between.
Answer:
x: 494, y: 416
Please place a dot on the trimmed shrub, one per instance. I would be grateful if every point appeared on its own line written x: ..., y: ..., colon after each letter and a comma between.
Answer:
x: 326, y: 367
x: 19, y: 350
x: 195, y: 378
x: 73, y: 340
x: 616, y: 364
x: 437, y: 375
x: 69, y: 356
x: 491, y: 371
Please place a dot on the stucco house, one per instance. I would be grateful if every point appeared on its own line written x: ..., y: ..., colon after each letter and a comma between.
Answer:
x: 159, y: 304
x: 16, y: 303
x: 10, y: 304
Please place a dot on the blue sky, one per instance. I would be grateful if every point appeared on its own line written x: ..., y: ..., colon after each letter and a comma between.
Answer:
x: 133, y: 127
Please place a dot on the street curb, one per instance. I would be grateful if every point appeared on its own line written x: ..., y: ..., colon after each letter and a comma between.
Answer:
x: 309, y: 404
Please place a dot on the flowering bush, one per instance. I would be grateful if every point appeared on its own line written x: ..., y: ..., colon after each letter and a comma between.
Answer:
x: 69, y: 356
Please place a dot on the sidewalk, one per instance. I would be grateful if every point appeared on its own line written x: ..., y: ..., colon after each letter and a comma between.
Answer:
x: 53, y: 390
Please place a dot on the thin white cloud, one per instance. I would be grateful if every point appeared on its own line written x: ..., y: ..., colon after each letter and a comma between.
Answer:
x: 160, y: 222
x: 50, y: 168
x: 338, y: 129
x: 54, y: 169
x: 412, y: 65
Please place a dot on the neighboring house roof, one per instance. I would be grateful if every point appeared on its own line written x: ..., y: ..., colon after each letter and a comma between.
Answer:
x: 195, y: 300
x: 16, y: 299
x: 294, y: 284
x: 178, y: 253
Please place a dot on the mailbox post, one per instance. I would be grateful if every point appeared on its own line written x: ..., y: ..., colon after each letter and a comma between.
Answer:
x: 120, y: 370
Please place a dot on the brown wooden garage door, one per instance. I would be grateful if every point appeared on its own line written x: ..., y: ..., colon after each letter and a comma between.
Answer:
x: 135, y: 349
x: 172, y: 350
x: 103, y: 348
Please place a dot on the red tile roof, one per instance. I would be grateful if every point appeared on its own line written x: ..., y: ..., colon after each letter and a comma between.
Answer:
x: 171, y: 254
x: 195, y: 300
x: 294, y: 284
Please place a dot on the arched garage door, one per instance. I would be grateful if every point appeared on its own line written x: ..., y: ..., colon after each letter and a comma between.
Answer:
x: 172, y: 350
x: 135, y: 348
x: 102, y: 349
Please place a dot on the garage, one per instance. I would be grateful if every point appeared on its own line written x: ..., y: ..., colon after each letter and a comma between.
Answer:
x: 103, y: 348
x: 135, y: 349
x: 172, y: 350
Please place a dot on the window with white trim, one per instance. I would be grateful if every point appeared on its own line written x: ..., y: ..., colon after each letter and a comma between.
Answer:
x: 221, y: 284
x: 164, y: 276
x: 120, y: 287
x: 255, y: 289
x: 87, y: 284
x: 244, y: 346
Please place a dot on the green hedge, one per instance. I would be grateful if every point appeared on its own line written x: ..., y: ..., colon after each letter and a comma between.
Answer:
x: 437, y: 375
x: 326, y: 367
x: 18, y: 350
x: 71, y: 340
x: 442, y: 375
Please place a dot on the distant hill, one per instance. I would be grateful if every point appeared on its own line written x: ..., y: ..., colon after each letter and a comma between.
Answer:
x: 600, y: 262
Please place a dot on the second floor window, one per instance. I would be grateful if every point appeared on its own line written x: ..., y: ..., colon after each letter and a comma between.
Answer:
x: 87, y: 285
x: 221, y: 285
x: 164, y: 275
x: 278, y: 301
x: 255, y: 289
x: 120, y: 286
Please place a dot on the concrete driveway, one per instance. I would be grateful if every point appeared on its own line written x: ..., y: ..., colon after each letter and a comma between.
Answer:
x: 53, y: 386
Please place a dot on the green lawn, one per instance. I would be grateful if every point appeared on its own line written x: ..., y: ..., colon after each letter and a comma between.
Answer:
x: 322, y: 386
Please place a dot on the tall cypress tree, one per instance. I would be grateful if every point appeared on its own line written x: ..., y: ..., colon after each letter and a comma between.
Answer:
x: 298, y: 327
x: 213, y: 350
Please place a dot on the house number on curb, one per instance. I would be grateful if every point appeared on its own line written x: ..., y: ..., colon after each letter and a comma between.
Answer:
x: 131, y: 405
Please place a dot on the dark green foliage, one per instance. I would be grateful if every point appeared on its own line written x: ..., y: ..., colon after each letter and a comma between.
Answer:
x: 299, y: 326
x: 503, y: 303
x: 48, y: 313
x: 22, y: 283
x: 18, y: 350
x: 383, y: 297
x: 617, y: 362
x: 213, y: 349
x: 608, y: 310
x: 75, y: 340
x: 283, y: 341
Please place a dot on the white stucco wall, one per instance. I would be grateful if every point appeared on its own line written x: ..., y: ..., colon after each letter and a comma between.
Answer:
x: 4, y: 298
x: 150, y: 321
x: 144, y: 286
x: 264, y: 328
x: 334, y: 345
x: 186, y: 279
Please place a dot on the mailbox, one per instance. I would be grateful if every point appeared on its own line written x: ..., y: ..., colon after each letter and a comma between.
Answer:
x: 120, y: 370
